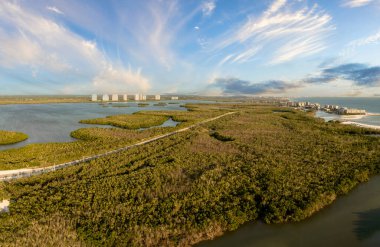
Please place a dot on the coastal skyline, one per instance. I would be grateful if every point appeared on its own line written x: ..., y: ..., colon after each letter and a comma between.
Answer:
x: 213, y: 47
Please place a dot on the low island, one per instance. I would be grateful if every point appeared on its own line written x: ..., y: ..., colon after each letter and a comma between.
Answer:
x: 11, y: 137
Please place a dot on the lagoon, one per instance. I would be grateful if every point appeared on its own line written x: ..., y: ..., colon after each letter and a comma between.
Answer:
x: 54, y: 122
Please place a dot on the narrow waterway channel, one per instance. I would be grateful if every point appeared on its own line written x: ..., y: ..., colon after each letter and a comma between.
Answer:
x: 352, y: 220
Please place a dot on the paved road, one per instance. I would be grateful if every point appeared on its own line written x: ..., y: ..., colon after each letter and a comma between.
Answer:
x: 27, y: 172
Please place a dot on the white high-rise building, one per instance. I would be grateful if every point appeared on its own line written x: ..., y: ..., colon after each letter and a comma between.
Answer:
x: 157, y: 97
x: 125, y: 97
x: 143, y: 97
x: 137, y: 97
x: 106, y: 97
x: 115, y: 97
x: 175, y: 98
x: 94, y: 97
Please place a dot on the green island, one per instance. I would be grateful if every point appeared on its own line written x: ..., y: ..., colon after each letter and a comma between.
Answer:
x: 262, y: 163
x: 129, y: 121
x: 10, y: 137
x: 143, y: 104
x: 120, y: 105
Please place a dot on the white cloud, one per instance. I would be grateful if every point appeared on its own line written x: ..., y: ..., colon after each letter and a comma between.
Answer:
x: 153, y: 34
x: 351, y: 47
x: 276, y: 6
x: 356, y: 3
x: 208, y: 7
x: 226, y: 59
x: 119, y: 80
x: 43, y: 45
x: 372, y: 39
x: 54, y: 9
x: 283, y: 31
x: 246, y: 55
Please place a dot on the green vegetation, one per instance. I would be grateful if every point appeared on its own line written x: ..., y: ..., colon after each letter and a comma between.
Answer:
x: 10, y: 137
x: 143, y: 104
x: 98, y: 140
x: 39, y: 99
x: 129, y: 121
x: 120, y: 105
x: 193, y: 186
x: 220, y: 137
x: 3, y: 193
x: 160, y: 104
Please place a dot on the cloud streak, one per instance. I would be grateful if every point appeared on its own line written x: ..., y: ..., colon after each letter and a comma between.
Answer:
x: 356, y: 3
x: 54, y: 9
x: 208, y: 7
x: 288, y: 32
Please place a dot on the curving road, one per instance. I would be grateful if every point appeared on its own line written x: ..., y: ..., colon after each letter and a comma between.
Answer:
x: 27, y: 172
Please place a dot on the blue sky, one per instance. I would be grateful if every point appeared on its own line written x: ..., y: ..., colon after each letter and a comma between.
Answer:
x: 210, y: 47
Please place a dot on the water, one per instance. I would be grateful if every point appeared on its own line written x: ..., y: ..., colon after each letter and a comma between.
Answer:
x: 54, y: 122
x: 370, y: 104
x: 352, y: 221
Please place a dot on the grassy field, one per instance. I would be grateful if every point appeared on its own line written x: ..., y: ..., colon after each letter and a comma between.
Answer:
x: 261, y: 165
x: 10, y: 137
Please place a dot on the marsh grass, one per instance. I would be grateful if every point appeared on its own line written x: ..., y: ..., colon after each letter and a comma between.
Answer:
x: 10, y: 137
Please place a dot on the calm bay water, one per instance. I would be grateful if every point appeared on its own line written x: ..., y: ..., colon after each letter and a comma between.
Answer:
x: 370, y: 104
x: 351, y: 221
x: 54, y: 122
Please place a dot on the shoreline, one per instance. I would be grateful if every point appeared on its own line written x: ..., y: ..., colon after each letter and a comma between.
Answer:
x: 369, y: 126
x: 346, y: 119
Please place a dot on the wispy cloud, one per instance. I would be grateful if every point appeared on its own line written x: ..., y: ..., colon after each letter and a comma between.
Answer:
x: 351, y: 48
x: 49, y: 48
x: 283, y: 32
x: 120, y: 80
x: 54, y: 9
x: 356, y: 3
x: 372, y: 39
x: 233, y: 85
x: 153, y: 36
x: 208, y: 7
x: 359, y: 74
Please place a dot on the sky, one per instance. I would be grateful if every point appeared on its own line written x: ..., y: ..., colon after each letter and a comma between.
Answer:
x: 290, y: 48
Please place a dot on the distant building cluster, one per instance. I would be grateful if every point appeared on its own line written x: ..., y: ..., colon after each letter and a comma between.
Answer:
x: 347, y: 111
x: 124, y: 97
x: 327, y: 108
x: 139, y: 97
x: 305, y: 105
